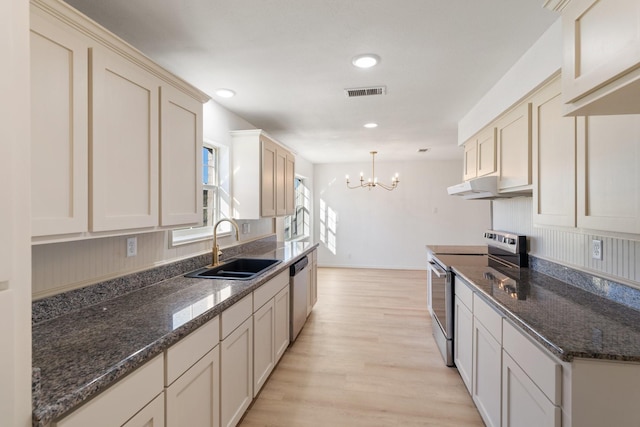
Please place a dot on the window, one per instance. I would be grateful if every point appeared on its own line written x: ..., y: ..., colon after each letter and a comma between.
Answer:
x: 211, y: 206
x: 297, y: 226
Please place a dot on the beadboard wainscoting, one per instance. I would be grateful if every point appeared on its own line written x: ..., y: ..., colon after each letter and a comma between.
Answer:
x: 571, y: 247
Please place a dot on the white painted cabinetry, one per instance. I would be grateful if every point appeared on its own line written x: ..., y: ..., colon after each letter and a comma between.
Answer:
x: 480, y: 154
x: 487, y: 361
x: 97, y: 126
x: 554, y: 159
x: 463, y: 332
x: 531, y: 383
x: 124, y: 144
x: 192, y: 379
x: 261, y: 166
x: 601, y: 73
x: 608, y: 161
x: 121, y: 402
x: 270, y: 327
x: 59, y: 127
x: 514, y: 148
x: 236, y: 361
x: 180, y: 158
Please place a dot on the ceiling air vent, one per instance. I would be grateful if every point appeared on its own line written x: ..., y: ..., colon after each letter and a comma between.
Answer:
x: 365, y: 91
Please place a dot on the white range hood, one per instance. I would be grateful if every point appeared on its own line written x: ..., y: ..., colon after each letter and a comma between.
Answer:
x: 483, y: 188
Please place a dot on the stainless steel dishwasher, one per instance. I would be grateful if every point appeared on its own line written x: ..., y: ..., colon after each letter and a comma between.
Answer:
x: 298, y: 286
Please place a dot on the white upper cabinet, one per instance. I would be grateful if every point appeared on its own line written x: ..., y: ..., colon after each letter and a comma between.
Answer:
x: 98, y: 125
x: 608, y: 168
x: 514, y: 147
x: 263, y: 176
x: 480, y: 154
x: 180, y: 158
x: 59, y: 134
x: 554, y: 159
x: 601, y: 65
x: 124, y: 144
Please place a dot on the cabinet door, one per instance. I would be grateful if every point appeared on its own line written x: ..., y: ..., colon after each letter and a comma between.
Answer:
x: 486, y: 162
x: 236, y: 373
x: 470, y: 167
x: 601, y: 56
x: 124, y: 144
x: 180, y: 158
x: 151, y: 415
x: 463, y: 342
x: 514, y: 138
x: 523, y: 404
x: 281, y: 180
x: 486, y: 374
x: 282, y: 316
x: 268, y: 179
x: 289, y: 184
x: 59, y: 135
x: 609, y: 173
x: 554, y: 160
x: 264, y: 351
x: 194, y: 398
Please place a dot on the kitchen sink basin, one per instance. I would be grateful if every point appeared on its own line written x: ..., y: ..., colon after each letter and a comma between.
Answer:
x: 237, y: 269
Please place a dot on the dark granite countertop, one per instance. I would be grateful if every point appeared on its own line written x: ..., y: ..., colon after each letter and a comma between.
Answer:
x: 79, y: 354
x: 568, y: 321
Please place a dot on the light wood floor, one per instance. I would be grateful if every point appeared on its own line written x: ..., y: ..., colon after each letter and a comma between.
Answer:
x: 365, y: 357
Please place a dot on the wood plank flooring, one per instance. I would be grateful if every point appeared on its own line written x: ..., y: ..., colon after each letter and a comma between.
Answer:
x: 366, y: 357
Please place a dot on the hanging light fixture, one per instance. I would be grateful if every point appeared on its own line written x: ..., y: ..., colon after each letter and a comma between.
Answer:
x: 373, y: 181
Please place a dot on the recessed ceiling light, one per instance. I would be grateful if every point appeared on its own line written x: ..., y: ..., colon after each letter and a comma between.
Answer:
x: 367, y: 60
x: 225, y: 93
x: 371, y: 125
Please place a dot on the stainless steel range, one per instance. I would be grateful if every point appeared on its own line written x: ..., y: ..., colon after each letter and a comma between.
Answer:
x: 503, y: 249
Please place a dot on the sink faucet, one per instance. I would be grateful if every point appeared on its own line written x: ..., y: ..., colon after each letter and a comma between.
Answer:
x: 216, y: 252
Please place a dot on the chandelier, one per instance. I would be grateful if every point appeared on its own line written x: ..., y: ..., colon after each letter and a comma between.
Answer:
x: 373, y: 182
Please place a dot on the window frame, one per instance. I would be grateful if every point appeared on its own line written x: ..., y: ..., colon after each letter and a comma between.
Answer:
x: 184, y: 236
x: 305, y: 205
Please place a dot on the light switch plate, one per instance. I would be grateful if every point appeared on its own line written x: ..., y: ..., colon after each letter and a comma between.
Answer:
x: 596, y: 249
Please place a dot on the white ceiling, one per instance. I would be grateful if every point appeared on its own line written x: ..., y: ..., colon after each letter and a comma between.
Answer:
x: 290, y: 60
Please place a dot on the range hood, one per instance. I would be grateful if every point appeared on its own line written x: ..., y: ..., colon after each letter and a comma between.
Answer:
x: 483, y: 188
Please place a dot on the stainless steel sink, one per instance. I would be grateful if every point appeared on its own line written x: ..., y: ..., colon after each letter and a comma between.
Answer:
x: 237, y: 269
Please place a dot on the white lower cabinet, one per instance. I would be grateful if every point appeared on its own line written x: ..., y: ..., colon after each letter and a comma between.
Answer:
x: 523, y: 404
x: 120, y: 404
x: 487, y: 361
x: 463, y: 333
x: 151, y: 415
x: 270, y: 327
x: 236, y: 362
x: 192, y: 378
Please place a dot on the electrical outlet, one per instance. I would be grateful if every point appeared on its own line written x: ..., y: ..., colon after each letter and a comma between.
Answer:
x: 245, y: 228
x: 132, y: 246
x: 596, y: 249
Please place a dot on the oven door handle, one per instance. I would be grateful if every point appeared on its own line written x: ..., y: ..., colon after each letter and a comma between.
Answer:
x: 437, y: 269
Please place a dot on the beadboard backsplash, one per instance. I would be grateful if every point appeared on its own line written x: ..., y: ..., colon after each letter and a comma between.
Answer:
x: 621, y: 257
x: 60, y: 267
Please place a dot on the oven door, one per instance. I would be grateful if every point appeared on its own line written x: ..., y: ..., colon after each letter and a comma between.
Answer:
x: 439, y: 281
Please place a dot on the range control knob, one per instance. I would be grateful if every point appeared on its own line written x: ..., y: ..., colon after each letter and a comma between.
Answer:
x: 510, y: 241
x: 489, y: 235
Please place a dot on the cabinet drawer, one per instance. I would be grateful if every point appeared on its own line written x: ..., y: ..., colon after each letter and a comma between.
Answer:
x: 535, y: 362
x: 269, y: 290
x: 490, y: 319
x: 121, y: 401
x: 189, y: 350
x: 464, y: 292
x: 233, y: 316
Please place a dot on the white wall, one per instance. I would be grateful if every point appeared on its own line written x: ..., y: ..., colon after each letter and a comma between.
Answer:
x: 542, y: 60
x: 382, y: 229
x: 15, y: 221
x: 59, y: 267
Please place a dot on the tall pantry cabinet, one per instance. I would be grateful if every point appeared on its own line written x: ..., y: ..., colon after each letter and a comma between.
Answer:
x: 116, y: 139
